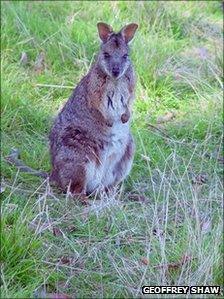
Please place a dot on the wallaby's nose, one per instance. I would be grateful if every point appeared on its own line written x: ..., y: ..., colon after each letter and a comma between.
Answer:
x: 115, y: 71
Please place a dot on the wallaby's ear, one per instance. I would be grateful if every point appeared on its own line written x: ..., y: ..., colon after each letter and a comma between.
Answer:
x: 128, y: 32
x: 104, y: 31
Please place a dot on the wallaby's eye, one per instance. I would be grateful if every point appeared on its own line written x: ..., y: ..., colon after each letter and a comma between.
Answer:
x: 106, y: 55
x: 125, y: 56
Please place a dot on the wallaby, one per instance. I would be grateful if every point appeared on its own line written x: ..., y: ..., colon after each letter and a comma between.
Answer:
x: 91, y: 145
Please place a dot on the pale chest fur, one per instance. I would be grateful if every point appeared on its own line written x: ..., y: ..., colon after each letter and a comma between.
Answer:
x: 115, y: 100
x: 115, y: 104
x: 103, y: 175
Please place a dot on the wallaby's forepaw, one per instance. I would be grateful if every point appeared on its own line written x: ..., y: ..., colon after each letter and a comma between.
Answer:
x: 125, y: 117
x: 109, y: 123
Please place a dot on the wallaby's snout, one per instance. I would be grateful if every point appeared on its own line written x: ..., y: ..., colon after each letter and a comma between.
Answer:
x: 115, y: 71
x: 113, y: 57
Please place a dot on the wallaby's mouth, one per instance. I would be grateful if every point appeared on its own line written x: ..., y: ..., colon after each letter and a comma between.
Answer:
x: 115, y: 72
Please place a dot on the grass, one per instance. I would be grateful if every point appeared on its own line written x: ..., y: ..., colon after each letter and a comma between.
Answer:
x: 52, y: 244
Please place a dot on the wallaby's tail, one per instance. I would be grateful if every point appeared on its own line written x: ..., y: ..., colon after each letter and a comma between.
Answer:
x: 13, y: 159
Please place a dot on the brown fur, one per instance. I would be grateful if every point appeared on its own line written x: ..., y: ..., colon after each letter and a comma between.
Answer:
x: 83, y: 133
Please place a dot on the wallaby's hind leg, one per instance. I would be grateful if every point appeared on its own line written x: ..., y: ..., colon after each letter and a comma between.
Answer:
x: 72, y: 177
x: 69, y: 171
x: 78, y: 181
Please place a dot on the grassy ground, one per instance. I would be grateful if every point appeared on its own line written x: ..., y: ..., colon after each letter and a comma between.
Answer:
x: 170, y: 231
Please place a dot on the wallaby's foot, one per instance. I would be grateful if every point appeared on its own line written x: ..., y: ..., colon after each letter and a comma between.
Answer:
x: 81, y: 198
x: 111, y: 190
x: 84, y: 200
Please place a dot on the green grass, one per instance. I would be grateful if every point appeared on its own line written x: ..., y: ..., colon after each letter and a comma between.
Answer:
x: 100, y: 252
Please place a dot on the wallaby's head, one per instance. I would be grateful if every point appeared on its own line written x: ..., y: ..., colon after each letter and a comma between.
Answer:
x: 113, y: 57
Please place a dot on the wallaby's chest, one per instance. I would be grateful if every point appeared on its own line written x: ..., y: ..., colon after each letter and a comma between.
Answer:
x: 114, y: 104
x: 115, y: 99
